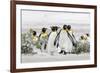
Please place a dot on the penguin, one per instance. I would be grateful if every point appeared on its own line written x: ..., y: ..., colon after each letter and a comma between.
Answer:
x: 87, y: 42
x: 71, y: 35
x: 82, y: 39
x: 34, y: 37
x: 64, y: 41
x: 82, y: 43
x: 51, y: 48
x: 43, y: 39
x: 87, y: 37
x: 72, y: 38
x: 34, y: 41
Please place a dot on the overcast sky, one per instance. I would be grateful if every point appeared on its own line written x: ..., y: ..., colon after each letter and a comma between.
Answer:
x: 39, y: 19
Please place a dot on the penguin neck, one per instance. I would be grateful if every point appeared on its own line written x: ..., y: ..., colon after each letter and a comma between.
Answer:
x: 44, y: 32
x: 69, y: 30
x: 34, y: 36
x: 64, y: 29
x: 53, y: 31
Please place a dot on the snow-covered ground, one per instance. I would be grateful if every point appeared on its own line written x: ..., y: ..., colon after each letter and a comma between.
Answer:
x: 44, y: 57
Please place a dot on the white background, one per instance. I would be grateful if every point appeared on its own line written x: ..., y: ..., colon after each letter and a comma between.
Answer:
x: 5, y: 36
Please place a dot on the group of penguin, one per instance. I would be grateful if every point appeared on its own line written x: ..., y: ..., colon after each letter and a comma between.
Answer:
x: 63, y: 39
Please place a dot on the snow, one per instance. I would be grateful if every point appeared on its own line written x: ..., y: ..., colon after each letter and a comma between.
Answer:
x: 44, y: 57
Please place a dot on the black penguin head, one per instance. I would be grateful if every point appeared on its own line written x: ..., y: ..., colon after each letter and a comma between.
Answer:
x: 64, y: 27
x: 54, y: 28
x: 44, y: 30
x: 82, y: 37
x: 87, y: 34
x: 69, y: 27
x: 34, y: 33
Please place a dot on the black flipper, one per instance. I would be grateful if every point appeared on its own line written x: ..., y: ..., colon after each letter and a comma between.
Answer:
x: 71, y: 38
x: 57, y: 38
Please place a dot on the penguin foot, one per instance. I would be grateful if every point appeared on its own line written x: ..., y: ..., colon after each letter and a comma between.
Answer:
x: 65, y: 53
x: 61, y: 52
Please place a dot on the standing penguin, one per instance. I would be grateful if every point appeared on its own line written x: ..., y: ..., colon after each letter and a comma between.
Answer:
x: 34, y: 41
x: 87, y: 37
x: 72, y: 37
x: 82, y: 44
x: 50, y: 45
x: 87, y: 44
x: 43, y: 39
x: 64, y: 41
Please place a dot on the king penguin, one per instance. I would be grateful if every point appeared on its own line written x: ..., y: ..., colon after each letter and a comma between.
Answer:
x: 65, y: 43
x: 43, y: 39
x: 51, y: 48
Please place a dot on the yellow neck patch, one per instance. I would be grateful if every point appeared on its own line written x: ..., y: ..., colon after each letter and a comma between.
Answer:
x: 34, y: 38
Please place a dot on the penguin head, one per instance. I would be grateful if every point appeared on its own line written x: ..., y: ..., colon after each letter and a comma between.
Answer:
x: 82, y: 37
x: 54, y: 28
x: 64, y: 27
x: 34, y: 33
x: 68, y: 27
x: 87, y: 34
x: 44, y: 30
